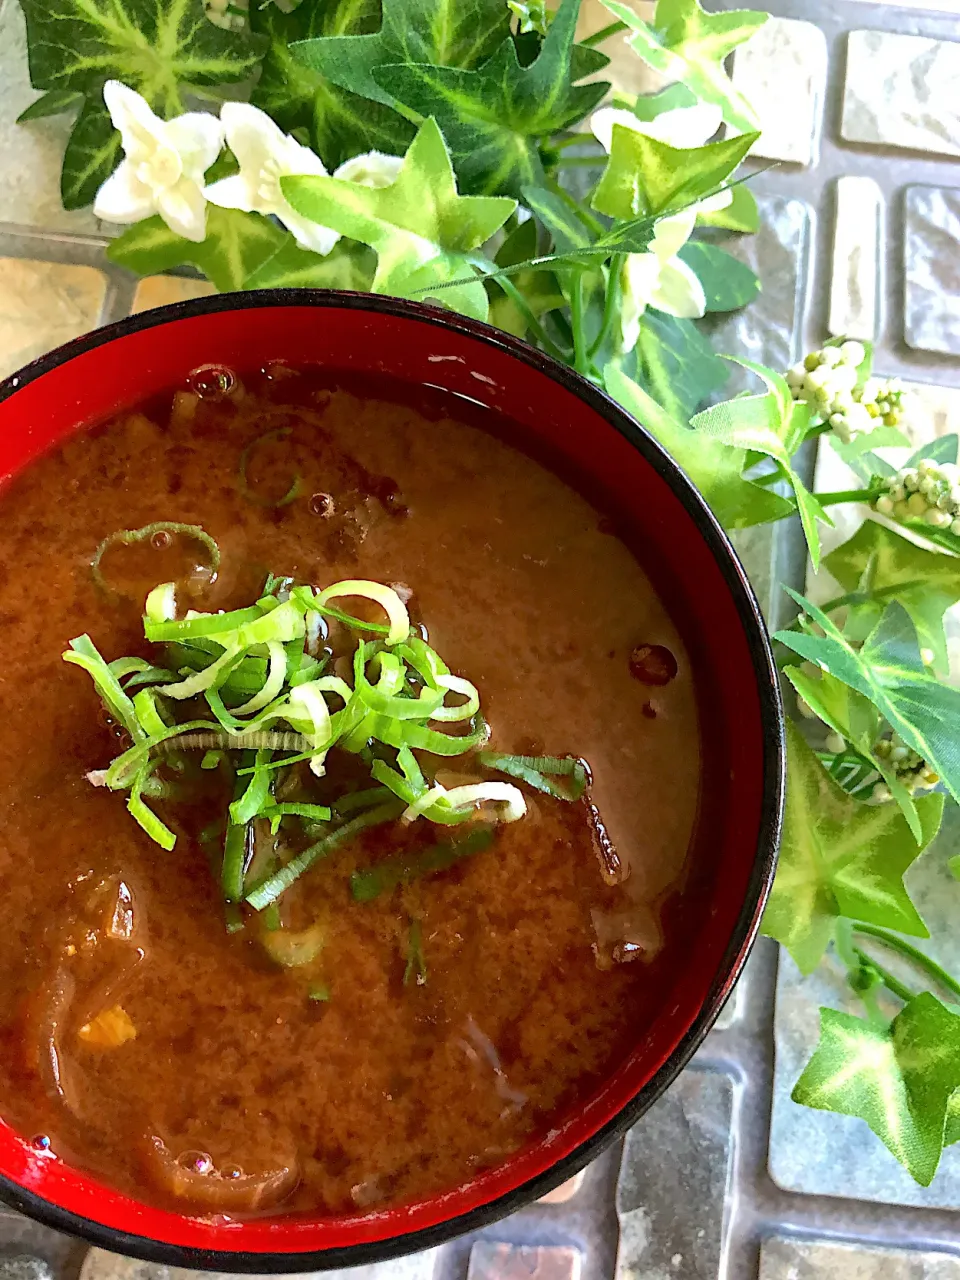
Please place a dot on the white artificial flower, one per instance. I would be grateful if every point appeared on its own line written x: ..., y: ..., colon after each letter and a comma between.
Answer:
x: 372, y: 169
x: 658, y: 278
x: 163, y: 166
x: 265, y: 155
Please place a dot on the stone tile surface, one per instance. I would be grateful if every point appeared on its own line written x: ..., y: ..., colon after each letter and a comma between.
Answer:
x: 30, y: 154
x: 782, y: 72
x: 673, y: 1182
x: 901, y: 90
x: 159, y: 291
x: 787, y: 1259
x: 766, y: 331
x: 566, y: 1191
x: 932, y: 267
x: 855, y: 269
x: 43, y: 304
x: 24, y: 1266
x: 492, y: 1261
x: 99, y: 1264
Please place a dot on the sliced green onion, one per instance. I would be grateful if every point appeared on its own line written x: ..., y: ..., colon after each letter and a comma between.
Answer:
x: 294, y: 809
x: 123, y: 667
x: 319, y: 992
x: 212, y: 759
x: 397, y: 733
x: 278, y: 433
x: 539, y: 772
x: 199, y: 625
x: 257, y: 792
x: 126, y: 537
x: 380, y: 594
x: 83, y: 653
x: 466, y: 710
x: 368, y: 798
x: 233, y: 917
x: 145, y: 816
x: 148, y: 713
x: 272, y: 888
x: 208, y: 678
x: 416, y: 967
x: 273, y: 684
x: 460, y: 803
x: 151, y: 675
x: 291, y: 949
x: 387, y: 875
x: 161, y: 603
x: 398, y: 785
x: 235, y: 849
x: 383, y: 697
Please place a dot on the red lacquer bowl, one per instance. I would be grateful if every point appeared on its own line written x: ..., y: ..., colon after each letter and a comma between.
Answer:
x: 627, y: 475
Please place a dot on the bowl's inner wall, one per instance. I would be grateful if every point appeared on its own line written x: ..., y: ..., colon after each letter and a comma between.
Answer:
x: 622, y: 482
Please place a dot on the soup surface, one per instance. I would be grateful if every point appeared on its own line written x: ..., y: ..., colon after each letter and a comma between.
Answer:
x: 445, y: 1023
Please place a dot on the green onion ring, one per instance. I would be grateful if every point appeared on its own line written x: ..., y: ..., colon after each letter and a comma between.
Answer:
x: 127, y: 537
x: 278, y: 433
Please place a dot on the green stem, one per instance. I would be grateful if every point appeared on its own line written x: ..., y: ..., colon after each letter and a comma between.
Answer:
x: 581, y: 359
x: 914, y: 954
x: 604, y: 33
x: 892, y: 983
x: 533, y: 324
x: 580, y: 162
x: 849, y: 495
x: 610, y: 303
x: 578, y: 210
x: 574, y: 140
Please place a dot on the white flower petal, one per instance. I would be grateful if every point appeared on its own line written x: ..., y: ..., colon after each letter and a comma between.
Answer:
x: 296, y: 159
x: 198, y: 137
x: 251, y: 135
x: 639, y: 278
x: 685, y: 127
x: 671, y: 234
x: 232, y: 193
x: 602, y: 122
x: 140, y: 130
x: 184, y: 210
x: 372, y: 169
x: 308, y: 235
x: 679, y: 291
x: 123, y: 197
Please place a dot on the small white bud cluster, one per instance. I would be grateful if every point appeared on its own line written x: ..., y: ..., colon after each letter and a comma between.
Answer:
x: 930, y: 491
x: 911, y: 769
x: 827, y: 381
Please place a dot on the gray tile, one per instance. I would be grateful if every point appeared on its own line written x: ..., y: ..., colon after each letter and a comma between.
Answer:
x: 902, y: 91
x: 768, y: 330
x: 43, y: 304
x: 24, y: 1266
x: 817, y: 1152
x: 786, y: 1259
x: 855, y: 281
x: 101, y: 1265
x: 932, y: 267
x: 492, y: 1261
x: 673, y: 1182
x: 782, y: 73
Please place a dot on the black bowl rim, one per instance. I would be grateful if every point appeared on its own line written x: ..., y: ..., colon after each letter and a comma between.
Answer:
x: 771, y: 817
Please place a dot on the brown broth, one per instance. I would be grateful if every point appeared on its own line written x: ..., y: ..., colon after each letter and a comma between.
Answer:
x: 386, y: 1091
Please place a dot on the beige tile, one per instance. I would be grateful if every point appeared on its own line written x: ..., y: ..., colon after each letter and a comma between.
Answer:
x: 160, y: 291
x: 936, y: 412
x: 30, y: 154
x: 856, y: 259
x: 782, y: 73
x: 628, y: 73
x: 43, y: 304
x: 566, y: 1191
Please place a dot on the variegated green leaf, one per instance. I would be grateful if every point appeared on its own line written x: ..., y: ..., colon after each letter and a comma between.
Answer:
x: 645, y: 175
x: 741, y: 214
x: 889, y: 671
x: 421, y: 229
x: 714, y: 468
x: 727, y: 283
x: 493, y: 117
x: 690, y: 46
x: 74, y: 46
x: 52, y: 103
x: 839, y: 857
x: 347, y: 266
x: 899, y: 1079
x: 237, y: 245
x: 925, y: 582
x: 676, y: 364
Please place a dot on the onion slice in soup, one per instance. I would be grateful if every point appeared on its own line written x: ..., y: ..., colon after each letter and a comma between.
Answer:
x: 229, y: 1191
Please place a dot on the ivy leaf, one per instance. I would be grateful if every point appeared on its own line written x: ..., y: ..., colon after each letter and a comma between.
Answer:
x: 52, y: 103
x: 690, y: 46
x: 676, y: 364
x: 925, y: 582
x: 237, y: 244
x: 567, y: 230
x: 899, y: 1079
x: 857, y: 721
x: 531, y: 15
x: 296, y: 95
x: 457, y: 33
x: 775, y: 425
x: 714, y: 468
x: 347, y: 266
x: 493, y: 116
x: 943, y: 449
x: 741, y: 214
x: 540, y: 289
x: 421, y: 229
x: 645, y: 175
x: 840, y: 858
x: 889, y: 671
x: 74, y: 46
x: 727, y: 282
